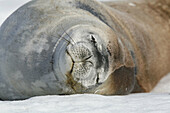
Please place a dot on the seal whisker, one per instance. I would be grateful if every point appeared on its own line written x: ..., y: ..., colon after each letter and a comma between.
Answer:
x: 63, y: 38
x: 67, y: 34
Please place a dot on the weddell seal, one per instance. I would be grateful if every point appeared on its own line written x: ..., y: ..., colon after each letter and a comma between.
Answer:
x: 50, y: 47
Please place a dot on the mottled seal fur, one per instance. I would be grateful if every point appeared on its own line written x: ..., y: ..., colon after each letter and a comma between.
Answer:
x: 50, y: 47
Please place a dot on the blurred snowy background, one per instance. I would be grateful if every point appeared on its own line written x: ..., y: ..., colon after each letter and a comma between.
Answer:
x: 158, y: 101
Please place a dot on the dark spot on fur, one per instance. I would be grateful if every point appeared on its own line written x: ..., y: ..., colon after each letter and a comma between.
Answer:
x: 91, y: 10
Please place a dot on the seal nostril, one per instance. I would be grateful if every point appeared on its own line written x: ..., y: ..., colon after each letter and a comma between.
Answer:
x: 93, y: 39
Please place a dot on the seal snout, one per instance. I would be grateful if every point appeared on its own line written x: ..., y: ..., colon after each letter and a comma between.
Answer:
x: 79, y: 52
x: 81, y: 56
x: 82, y: 61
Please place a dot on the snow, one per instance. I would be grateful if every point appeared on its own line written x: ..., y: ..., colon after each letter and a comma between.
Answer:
x: 88, y: 103
x: 163, y: 86
x: 158, y: 101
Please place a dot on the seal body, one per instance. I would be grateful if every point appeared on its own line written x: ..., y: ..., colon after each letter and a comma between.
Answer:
x: 148, y: 27
x: 81, y: 46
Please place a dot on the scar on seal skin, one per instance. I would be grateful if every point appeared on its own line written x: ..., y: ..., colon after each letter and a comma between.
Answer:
x: 56, y: 47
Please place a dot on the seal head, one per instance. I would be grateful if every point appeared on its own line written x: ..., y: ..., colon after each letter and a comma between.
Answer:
x: 84, y: 60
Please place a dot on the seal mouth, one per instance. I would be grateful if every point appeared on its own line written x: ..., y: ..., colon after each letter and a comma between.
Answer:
x: 80, y: 55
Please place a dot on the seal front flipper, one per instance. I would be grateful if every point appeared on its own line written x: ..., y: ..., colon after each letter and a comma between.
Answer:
x: 120, y: 82
x: 122, y: 79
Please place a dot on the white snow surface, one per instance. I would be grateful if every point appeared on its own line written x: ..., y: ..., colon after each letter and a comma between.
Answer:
x: 86, y: 103
x: 158, y: 101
